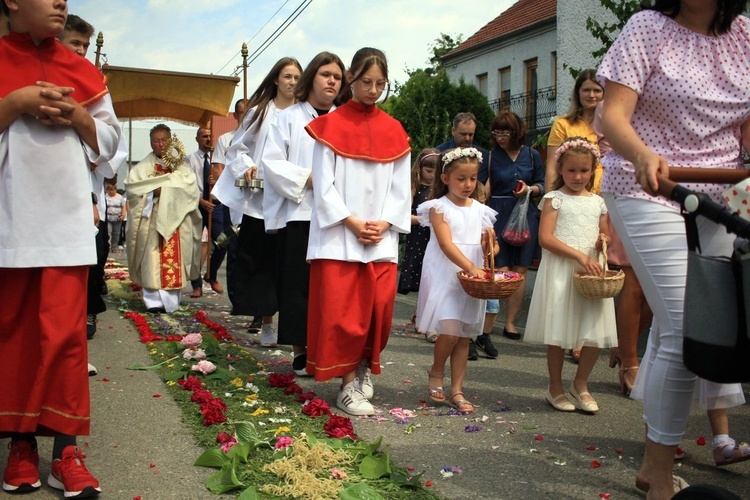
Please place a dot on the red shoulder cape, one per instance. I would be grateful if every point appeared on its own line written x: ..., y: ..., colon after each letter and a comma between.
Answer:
x: 361, y: 132
x: 22, y: 63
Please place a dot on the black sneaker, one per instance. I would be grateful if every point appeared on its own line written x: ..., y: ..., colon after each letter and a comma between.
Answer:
x: 299, y: 364
x: 484, y: 342
x: 255, y: 325
x: 473, y: 355
x: 90, y: 326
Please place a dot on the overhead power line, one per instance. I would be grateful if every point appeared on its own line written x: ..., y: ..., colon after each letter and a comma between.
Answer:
x: 253, y: 37
x: 273, y: 36
x: 289, y: 20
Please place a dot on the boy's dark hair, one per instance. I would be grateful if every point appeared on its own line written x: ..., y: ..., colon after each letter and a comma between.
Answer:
x: 726, y: 12
x: 75, y: 23
x: 159, y: 126
x: 305, y: 83
x: 5, y: 8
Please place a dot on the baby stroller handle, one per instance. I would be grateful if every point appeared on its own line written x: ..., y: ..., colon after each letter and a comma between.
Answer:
x: 700, y: 203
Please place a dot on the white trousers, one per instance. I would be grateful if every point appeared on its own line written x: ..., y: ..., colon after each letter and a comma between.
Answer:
x: 654, y: 238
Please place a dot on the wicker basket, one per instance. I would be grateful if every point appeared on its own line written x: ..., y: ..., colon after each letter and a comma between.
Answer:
x: 482, y: 288
x: 605, y: 286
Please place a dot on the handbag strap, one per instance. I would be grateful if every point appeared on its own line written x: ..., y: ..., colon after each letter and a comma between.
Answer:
x: 691, y: 232
x: 489, y: 179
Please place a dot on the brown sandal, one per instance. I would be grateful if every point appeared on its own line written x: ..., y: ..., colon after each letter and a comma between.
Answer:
x: 437, y: 393
x: 461, y: 404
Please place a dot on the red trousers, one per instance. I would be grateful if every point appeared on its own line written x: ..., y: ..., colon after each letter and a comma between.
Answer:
x: 349, y: 316
x: 44, y: 386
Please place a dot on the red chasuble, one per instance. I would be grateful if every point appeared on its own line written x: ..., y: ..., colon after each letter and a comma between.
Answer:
x: 361, y: 132
x: 22, y: 63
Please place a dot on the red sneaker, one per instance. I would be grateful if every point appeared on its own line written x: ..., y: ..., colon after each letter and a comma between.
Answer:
x: 22, y: 472
x: 71, y: 476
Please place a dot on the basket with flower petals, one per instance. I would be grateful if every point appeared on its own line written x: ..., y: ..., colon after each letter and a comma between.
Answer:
x: 494, y: 284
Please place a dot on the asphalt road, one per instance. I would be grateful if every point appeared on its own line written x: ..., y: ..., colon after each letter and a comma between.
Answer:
x: 524, y: 450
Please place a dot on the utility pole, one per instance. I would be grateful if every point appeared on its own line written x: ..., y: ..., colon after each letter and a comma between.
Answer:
x: 244, y: 72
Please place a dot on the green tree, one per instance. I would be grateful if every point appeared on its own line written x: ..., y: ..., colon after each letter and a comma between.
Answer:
x: 427, y: 102
x: 606, y: 32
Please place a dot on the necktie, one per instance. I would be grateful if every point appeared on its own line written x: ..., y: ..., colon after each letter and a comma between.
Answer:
x: 206, y: 173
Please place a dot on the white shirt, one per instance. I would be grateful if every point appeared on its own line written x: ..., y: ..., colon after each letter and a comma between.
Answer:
x: 244, y: 152
x: 367, y: 190
x: 287, y: 164
x: 222, y: 145
x: 195, y: 160
x: 45, y: 190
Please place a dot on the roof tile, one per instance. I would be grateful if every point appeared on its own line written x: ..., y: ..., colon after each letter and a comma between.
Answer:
x: 521, y: 14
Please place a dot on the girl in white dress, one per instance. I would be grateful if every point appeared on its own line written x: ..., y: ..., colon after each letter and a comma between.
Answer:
x: 572, y: 221
x: 458, y: 241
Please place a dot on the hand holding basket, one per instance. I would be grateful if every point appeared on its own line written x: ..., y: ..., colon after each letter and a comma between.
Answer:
x: 494, y: 284
x: 605, y: 286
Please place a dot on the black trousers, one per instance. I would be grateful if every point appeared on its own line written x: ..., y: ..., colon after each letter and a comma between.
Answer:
x: 94, y: 302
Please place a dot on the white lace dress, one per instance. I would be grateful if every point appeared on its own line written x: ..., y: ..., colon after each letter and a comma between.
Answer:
x: 443, y: 305
x: 558, y: 314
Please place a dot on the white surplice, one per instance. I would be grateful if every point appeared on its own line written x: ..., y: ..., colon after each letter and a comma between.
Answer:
x: 45, y: 190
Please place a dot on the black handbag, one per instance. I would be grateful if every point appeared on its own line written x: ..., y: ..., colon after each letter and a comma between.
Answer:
x: 716, y: 343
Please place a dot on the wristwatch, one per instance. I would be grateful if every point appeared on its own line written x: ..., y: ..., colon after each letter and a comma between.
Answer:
x: 94, y: 199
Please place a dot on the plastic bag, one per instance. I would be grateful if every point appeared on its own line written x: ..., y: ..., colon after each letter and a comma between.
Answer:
x: 516, y: 231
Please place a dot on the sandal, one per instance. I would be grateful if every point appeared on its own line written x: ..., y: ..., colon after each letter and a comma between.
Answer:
x: 727, y: 452
x: 461, y: 404
x: 626, y: 387
x: 437, y: 393
x: 575, y: 354
x: 431, y: 337
x: 678, y: 483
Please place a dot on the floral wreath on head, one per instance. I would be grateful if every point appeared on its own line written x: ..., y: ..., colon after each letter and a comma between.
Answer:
x: 174, y: 153
x: 577, y: 143
x: 454, y: 154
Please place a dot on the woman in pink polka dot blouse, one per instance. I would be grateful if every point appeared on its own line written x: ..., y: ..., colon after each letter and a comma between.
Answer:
x: 677, y: 84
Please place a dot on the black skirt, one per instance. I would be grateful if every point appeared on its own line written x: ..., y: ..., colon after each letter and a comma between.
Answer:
x: 254, y: 273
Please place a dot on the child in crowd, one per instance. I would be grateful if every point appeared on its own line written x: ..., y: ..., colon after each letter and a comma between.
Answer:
x: 56, y: 119
x: 571, y: 224
x: 361, y: 180
x: 458, y: 241
x: 117, y: 207
x: 422, y: 176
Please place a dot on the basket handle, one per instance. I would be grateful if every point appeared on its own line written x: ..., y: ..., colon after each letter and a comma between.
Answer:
x: 604, y: 254
x: 489, y: 257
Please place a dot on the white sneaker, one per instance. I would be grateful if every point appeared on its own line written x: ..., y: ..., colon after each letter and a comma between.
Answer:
x: 268, y: 336
x: 92, y: 370
x: 364, y: 381
x: 352, y: 401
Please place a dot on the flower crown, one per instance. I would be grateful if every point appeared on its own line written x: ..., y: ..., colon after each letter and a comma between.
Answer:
x: 455, y: 154
x: 577, y: 143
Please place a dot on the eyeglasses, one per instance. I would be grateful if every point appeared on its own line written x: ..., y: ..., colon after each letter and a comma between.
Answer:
x: 501, y: 135
x: 367, y: 84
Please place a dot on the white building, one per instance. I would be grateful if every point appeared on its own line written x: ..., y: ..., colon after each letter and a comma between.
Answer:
x: 519, y: 59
